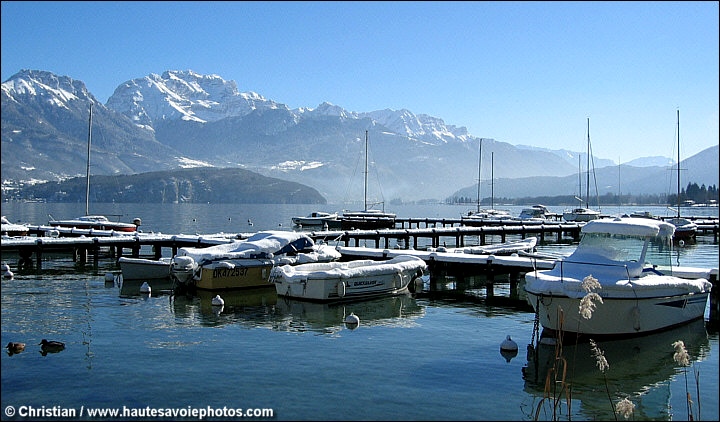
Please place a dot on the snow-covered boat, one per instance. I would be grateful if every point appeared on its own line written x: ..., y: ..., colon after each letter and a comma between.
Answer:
x: 245, y: 263
x: 96, y: 222
x: 320, y: 219
x: 526, y: 245
x: 619, y: 281
x: 12, y: 229
x: 581, y: 215
x: 359, y: 279
x: 536, y: 212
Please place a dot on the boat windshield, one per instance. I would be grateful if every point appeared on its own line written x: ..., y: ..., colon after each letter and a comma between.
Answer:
x: 623, y: 247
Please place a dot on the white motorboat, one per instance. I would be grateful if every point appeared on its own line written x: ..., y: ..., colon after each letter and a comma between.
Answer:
x: 625, y: 262
x: 535, y: 213
x: 322, y: 219
x: 144, y: 269
x: 334, y: 281
x: 245, y: 263
x: 581, y: 215
x: 481, y: 217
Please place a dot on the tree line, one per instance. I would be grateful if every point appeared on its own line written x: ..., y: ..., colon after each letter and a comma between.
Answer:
x: 699, y: 194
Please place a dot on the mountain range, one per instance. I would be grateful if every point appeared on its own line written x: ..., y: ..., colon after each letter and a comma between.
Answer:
x: 181, y: 119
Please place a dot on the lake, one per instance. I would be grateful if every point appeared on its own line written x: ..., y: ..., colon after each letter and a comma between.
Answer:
x: 411, y: 358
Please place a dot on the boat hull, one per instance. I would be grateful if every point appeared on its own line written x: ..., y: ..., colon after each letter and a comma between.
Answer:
x: 618, y: 316
x: 581, y: 215
x: 226, y: 275
x: 322, y: 220
x: 366, y: 223
x: 95, y: 225
x: 144, y: 269
x: 331, y: 281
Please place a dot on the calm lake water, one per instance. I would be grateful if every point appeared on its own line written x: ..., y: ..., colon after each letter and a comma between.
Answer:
x: 424, y: 358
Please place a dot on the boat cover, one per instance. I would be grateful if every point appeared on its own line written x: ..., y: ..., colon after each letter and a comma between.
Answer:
x: 630, y: 226
x: 265, y: 244
x: 350, y: 269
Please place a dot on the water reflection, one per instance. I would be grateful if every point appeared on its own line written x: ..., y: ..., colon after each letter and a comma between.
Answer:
x: 255, y: 308
x: 639, y: 368
x: 252, y: 307
x: 299, y: 315
x: 133, y: 288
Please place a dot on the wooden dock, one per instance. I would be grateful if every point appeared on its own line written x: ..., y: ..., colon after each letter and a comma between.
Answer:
x: 85, y: 243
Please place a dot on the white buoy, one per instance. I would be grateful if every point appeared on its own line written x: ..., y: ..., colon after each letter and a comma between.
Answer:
x: 509, y: 345
x: 352, y: 320
x: 6, y: 272
x: 218, y: 301
x: 508, y: 349
x: 145, y: 288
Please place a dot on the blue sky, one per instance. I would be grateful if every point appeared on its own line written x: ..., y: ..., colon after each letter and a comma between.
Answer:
x: 520, y: 72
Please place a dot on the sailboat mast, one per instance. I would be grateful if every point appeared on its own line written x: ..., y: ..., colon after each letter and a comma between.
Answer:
x: 678, y: 163
x: 479, y: 167
x: 87, y: 173
x: 587, y: 187
x: 492, y: 180
x: 366, y: 169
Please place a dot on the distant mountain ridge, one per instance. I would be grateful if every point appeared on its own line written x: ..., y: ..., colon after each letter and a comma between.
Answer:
x: 183, y: 119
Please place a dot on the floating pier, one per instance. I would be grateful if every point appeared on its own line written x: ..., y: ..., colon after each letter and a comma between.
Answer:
x: 85, y: 243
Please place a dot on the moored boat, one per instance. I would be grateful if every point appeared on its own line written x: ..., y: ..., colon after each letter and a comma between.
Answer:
x: 89, y: 221
x: 618, y: 263
x: 325, y: 220
x: 536, y: 212
x: 368, y: 219
x: 359, y: 279
x: 581, y: 215
x: 144, y: 269
x: 12, y: 229
x: 96, y: 222
x: 245, y: 263
x: 526, y: 245
x: 685, y: 229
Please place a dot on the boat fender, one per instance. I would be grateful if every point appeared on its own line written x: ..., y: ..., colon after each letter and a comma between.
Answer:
x: 636, y: 318
x: 509, y: 345
x: 341, y: 288
x: 7, y: 273
x: 416, y: 284
x: 352, y: 321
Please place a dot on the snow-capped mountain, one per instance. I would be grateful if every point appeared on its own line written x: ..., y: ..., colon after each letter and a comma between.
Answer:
x: 182, y: 119
x: 45, y: 132
x: 189, y: 96
x: 184, y: 95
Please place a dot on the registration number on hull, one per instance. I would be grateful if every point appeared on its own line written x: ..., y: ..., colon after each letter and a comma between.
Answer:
x: 230, y: 272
